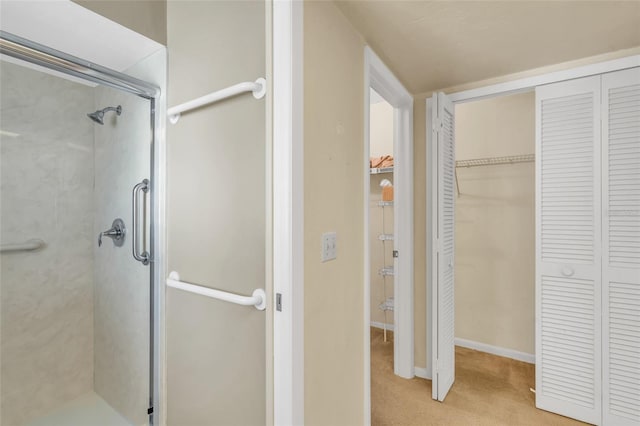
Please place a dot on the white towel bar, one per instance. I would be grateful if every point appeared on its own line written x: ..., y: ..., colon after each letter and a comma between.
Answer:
x: 29, y: 245
x: 257, y: 299
x: 258, y: 87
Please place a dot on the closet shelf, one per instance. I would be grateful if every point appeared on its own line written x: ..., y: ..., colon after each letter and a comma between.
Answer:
x: 385, y: 203
x: 386, y: 271
x: 387, y: 305
x: 494, y: 161
x: 491, y: 161
x: 385, y: 237
x: 377, y: 171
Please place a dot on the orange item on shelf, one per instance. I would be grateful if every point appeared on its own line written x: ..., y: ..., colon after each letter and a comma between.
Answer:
x: 387, y: 193
x: 381, y: 162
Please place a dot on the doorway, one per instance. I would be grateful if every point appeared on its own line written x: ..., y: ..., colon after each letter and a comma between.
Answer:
x: 484, y: 259
x: 381, y: 237
x: 442, y: 176
x: 394, y: 238
x: 495, y: 226
x: 381, y: 216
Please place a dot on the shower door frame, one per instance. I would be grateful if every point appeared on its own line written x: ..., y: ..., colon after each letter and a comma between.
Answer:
x: 41, y: 55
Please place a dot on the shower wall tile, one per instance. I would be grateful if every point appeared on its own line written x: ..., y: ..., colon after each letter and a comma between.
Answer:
x: 46, y: 191
x: 122, y: 291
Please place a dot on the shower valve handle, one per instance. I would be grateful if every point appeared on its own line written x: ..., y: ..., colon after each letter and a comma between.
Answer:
x: 116, y: 233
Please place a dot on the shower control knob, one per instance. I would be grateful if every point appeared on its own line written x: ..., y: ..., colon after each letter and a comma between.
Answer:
x: 116, y: 233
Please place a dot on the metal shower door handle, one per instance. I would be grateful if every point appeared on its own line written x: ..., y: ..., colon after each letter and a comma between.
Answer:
x: 143, y: 257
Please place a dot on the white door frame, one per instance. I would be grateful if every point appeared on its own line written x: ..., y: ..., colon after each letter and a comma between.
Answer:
x: 378, y: 77
x: 500, y: 89
x: 288, y: 196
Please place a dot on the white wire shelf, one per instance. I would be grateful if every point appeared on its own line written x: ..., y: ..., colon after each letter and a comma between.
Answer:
x: 491, y: 161
x: 385, y: 203
x: 495, y: 161
x: 386, y: 271
x: 385, y: 237
x: 387, y: 305
x: 380, y: 170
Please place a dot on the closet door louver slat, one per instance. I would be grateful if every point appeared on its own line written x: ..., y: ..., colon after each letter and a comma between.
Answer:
x: 621, y: 247
x: 568, y: 334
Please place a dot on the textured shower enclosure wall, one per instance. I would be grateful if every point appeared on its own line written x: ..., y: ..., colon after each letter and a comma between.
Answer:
x: 46, y: 191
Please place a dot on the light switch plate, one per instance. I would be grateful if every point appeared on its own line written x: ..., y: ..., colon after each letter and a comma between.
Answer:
x: 329, y: 246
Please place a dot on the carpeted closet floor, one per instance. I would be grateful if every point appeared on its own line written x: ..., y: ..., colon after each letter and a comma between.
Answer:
x: 489, y: 391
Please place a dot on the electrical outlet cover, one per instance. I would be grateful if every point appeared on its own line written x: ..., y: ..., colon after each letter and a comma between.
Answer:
x: 329, y: 246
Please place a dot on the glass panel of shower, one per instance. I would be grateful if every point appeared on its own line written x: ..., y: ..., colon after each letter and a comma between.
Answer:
x: 75, y: 284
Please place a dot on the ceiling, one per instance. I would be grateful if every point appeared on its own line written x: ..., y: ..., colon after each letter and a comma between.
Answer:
x: 433, y: 45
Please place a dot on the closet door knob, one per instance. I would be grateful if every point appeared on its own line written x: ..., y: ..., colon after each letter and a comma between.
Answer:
x: 568, y: 271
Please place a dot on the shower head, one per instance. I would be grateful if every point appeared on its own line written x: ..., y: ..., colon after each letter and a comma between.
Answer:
x: 98, y: 116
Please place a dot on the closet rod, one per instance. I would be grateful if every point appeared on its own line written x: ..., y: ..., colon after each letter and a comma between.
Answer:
x: 257, y: 299
x: 258, y: 87
x: 494, y: 161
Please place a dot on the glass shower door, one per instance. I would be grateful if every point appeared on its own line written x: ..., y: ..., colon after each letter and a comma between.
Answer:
x: 75, y: 304
x: 122, y: 297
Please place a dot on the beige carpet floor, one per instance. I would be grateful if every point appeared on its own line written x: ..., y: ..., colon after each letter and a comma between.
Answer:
x: 489, y: 391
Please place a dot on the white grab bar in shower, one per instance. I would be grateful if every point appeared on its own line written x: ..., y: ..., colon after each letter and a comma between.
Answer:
x: 258, y: 87
x: 28, y: 245
x: 257, y: 299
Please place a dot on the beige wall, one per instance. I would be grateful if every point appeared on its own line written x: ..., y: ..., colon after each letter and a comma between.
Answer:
x: 381, y: 129
x: 419, y: 235
x: 216, y: 215
x: 147, y: 17
x: 495, y: 224
x: 333, y: 201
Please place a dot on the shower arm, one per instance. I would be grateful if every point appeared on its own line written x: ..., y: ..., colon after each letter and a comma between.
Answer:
x: 118, y: 110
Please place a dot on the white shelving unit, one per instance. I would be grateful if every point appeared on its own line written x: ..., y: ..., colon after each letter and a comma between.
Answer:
x: 386, y: 272
x: 377, y: 171
x: 387, y: 305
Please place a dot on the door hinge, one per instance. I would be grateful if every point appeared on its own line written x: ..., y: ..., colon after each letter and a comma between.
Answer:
x: 279, y: 302
x: 150, y: 411
x: 395, y: 253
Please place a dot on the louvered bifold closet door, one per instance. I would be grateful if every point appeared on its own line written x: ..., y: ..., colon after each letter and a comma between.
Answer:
x: 621, y: 246
x: 444, y: 314
x: 568, y: 249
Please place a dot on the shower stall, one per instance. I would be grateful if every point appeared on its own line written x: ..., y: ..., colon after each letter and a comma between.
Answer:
x: 78, y: 287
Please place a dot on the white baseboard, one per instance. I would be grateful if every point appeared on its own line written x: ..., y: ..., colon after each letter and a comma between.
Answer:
x: 381, y: 325
x: 422, y: 373
x: 495, y: 350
